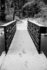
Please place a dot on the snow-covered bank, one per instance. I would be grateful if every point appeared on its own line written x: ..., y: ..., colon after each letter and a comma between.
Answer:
x: 2, y: 57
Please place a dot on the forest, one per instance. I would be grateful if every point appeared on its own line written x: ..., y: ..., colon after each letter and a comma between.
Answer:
x: 19, y: 8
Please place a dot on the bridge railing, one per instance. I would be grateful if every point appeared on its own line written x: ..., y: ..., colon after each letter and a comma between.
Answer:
x: 7, y: 32
x: 38, y: 33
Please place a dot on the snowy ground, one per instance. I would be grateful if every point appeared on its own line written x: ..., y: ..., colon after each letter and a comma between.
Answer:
x: 22, y: 54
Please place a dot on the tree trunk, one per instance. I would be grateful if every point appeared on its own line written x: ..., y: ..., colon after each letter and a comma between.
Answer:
x: 2, y: 10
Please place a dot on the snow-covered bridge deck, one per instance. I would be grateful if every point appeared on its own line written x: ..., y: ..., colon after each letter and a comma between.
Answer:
x: 22, y: 54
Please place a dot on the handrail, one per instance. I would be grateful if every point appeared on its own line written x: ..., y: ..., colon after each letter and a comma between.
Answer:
x: 34, y: 21
x: 8, y: 23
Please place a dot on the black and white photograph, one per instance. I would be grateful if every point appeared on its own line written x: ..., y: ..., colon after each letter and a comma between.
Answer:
x: 23, y: 34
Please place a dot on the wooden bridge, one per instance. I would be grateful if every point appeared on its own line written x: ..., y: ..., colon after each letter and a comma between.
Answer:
x: 24, y: 34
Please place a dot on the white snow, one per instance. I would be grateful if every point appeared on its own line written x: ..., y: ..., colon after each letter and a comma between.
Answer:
x: 22, y: 25
x: 24, y: 61
x: 22, y: 54
x: 2, y: 57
